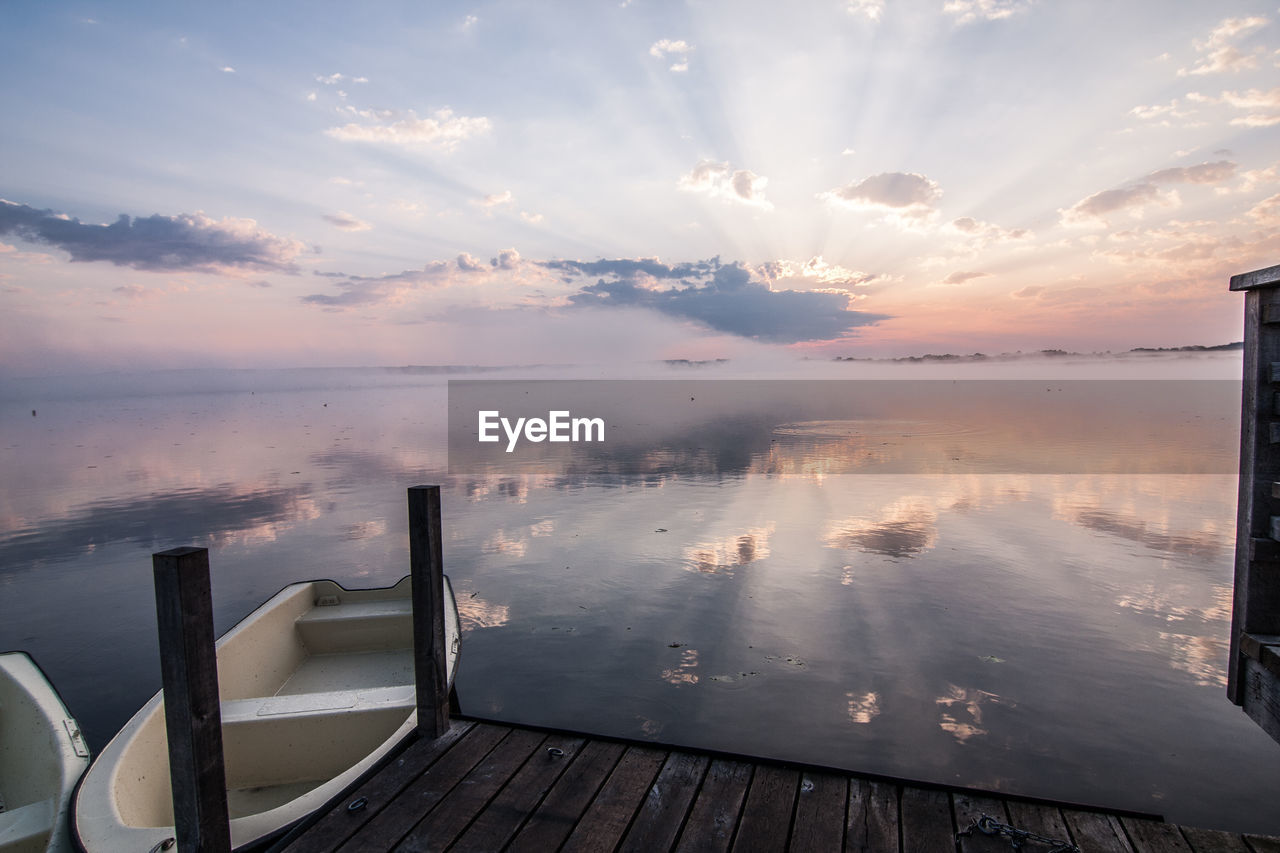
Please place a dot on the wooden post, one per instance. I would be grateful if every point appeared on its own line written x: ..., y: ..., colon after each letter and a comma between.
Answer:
x: 426, y: 564
x: 192, y: 715
x: 1253, y: 674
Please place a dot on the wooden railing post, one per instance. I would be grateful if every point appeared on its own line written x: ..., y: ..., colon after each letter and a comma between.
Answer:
x: 426, y: 564
x: 192, y: 715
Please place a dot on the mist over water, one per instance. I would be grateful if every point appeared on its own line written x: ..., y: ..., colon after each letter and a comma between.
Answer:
x: 768, y: 585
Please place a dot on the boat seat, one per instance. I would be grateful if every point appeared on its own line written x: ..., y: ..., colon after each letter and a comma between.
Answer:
x: 367, y: 700
x: 357, y: 626
x: 28, y: 827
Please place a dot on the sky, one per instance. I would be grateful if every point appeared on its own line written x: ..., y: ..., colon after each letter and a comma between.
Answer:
x: 289, y: 184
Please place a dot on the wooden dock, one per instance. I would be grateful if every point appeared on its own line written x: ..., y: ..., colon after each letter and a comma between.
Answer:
x: 487, y: 787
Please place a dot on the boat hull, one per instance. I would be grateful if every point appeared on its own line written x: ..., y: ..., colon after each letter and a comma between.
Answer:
x: 316, y: 686
x: 42, y: 756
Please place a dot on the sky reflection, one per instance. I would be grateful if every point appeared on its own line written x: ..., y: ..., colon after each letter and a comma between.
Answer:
x: 730, y: 584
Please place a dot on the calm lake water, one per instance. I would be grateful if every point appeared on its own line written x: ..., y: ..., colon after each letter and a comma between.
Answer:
x: 1017, y: 586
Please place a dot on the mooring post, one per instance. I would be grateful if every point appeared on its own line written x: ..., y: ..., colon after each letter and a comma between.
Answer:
x: 426, y: 564
x: 192, y: 715
x: 1253, y: 673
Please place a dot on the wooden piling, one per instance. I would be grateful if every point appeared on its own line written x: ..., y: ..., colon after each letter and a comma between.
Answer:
x: 426, y: 564
x: 1254, y: 666
x: 193, y: 716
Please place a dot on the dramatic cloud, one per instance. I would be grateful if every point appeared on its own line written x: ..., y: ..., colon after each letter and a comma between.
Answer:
x: 724, y: 297
x: 721, y: 180
x: 1267, y: 211
x: 1219, y: 54
x: 190, y: 242
x: 986, y: 233
x: 1204, y: 173
x: 345, y: 221
x: 968, y: 11
x: 444, y: 130
x: 907, y: 195
x: 678, y: 51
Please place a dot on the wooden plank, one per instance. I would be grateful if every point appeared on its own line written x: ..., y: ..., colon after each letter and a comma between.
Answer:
x: 610, y: 813
x: 498, y: 823
x: 1153, y: 836
x: 1038, y: 818
x: 1094, y: 831
x: 1268, y: 277
x: 460, y: 806
x: 192, y: 713
x: 820, y: 813
x: 556, y: 815
x: 714, y: 815
x: 338, y: 824
x: 1214, y: 840
x: 658, y: 823
x: 426, y: 565
x: 926, y: 821
x: 969, y: 810
x: 766, y: 815
x: 1260, y: 696
x: 426, y: 791
x: 871, y: 822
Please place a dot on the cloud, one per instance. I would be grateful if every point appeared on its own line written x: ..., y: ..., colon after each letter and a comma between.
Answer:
x: 444, y: 130
x: 1204, y: 173
x: 959, y: 277
x: 336, y: 78
x: 469, y: 22
x: 1267, y: 211
x: 907, y: 195
x: 871, y: 9
x: 190, y: 242
x: 531, y: 218
x: 968, y: 11
x: 986, y: 233
x: 507, y: 259
x: 721, y: 180
x: 834, y: 277
x: 494, y: 199
x: 1136, y: 196
x: 345, y: 221
x: 1219, y: 55
x: 678, y: 51
x: 227, y: 69
x: 727, y: 298
x: 360, y: 290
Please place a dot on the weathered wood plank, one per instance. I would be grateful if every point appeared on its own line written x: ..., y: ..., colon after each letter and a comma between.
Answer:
x: 339, y: 823
x: 192, y: 713
x: 446, y: 822
x: 766, y: 815
x: 426, y: 565
x: 714, y: 815
x: 498, y: 823
x: 969, y: 809
x: 426, y: 791
x: 871, y: 822
x: 610, y: 813
x: 1094, y: 831
x: 1214, y: 840
x: 1268, y: 277
x: 820, y: 813
x: 1152, y: 836
x: 1263, y: 843
x: 926, y: 821
x: 1038, y: 818
x: 556, y: 815
x: 660, y: 818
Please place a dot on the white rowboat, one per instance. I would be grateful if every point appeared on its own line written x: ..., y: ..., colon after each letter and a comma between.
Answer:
x: 42, y: 756
x: 316, y: 686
